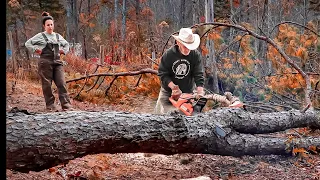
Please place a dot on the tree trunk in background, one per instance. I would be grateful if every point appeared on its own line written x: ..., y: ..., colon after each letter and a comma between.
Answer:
x: 16, y: 42
x: 263, y: 47
x: 40, y: 141
x: 151, y: 32
x: 24, y: 20
x: 85, y: 47
x: 69, y: 20
x: 84, y: 30
x: 211, y: 71
x: 103, y: 16
x: 182, y: 21
x: 174, y: 17
x: 72, y: 21
x: 195, y: 11
x: 75, y: 20
x: 13, y: 58
x: 280, y: 11
x: 115, y: 18
x: 89, y: 4
x: 241, y: 12
x: 123, y: 30
x: 245, y: 11
x: 138, y: 33
x: 138, y: 10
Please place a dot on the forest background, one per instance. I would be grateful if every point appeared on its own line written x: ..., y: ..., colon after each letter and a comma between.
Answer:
x: 110, y: 37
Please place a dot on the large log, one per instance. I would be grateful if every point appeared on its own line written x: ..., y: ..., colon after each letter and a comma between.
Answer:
x: 39, y: 141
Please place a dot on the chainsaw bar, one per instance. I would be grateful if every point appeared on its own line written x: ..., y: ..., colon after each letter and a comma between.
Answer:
x: 199, y: 104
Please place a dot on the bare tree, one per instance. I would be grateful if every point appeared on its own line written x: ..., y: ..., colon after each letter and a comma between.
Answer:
x: 211, y: 71
x: 195, y: 11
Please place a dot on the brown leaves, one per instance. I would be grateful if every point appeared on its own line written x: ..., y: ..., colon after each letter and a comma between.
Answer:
x: 282, y: 82
x: 164, y: 24
x: 314, y: 149
x: 52, y: 170
x: 236, y: 3
x: 302, y: 53
x: 295, y: 44
x: 296, y: 151
x: 204, y: 49
x: 14, y: 4
x: 86, y: 19
x: 147, y: 12
x: 214, y: 36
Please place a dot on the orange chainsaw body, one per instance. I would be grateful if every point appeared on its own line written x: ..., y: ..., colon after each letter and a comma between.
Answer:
x: 185, y: 103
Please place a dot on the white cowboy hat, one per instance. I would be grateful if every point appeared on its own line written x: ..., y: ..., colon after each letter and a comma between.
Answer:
x: 188, y: 39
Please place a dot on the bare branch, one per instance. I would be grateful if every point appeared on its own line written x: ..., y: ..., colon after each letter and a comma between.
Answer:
x: 139, y: 80
x: 132, y: 73
x: 101, y: 82
x: 152, y: 60
x: 106, y: 92
x: 95, y: 83
x: 86, y: 79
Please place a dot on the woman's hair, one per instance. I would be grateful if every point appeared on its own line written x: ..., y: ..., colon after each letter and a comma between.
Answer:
x: 46, y: 16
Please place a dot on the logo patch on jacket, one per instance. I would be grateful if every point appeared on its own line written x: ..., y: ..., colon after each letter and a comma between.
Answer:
x: 181, y: 68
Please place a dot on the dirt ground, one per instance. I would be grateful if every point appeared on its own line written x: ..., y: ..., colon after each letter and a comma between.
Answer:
x: 27, y: 95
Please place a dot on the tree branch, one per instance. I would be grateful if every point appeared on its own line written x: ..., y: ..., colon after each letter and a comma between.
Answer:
x: 106, y: 92
x: 278, y: 48
x: 132, y: 73
x: 233, y: 42
x: 95, y: 83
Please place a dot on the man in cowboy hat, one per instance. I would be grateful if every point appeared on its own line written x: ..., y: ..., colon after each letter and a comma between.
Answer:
x: 180, y: 70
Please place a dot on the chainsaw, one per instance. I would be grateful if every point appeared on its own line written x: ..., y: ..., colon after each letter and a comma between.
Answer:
x: 189, y: 104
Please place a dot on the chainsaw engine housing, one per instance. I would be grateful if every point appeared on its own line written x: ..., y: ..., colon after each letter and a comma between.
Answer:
x: 188, y: 104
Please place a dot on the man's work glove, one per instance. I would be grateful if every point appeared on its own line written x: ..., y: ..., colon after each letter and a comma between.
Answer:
x: 38, y: 51
x: 176, y: 92
x: 236, y: 104
x: 200, y: 92
x: 234, y: 101
x: 61, y: 52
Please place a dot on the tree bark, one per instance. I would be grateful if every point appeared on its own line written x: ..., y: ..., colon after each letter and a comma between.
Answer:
x: 195, y: 11
x: 182, y: 13
x: 123, y: 25
x: 211, y: 71
x: 39, y: 141
x: 75, y: 21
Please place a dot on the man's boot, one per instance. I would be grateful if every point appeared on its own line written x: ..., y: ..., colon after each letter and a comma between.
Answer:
x: 67, y: 107
x: 52, y: 108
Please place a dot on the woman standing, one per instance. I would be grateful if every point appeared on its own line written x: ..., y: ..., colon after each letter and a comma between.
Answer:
x: 50, y: 45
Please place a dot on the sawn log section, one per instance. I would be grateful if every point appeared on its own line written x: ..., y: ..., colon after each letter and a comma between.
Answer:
x: 36, y: 142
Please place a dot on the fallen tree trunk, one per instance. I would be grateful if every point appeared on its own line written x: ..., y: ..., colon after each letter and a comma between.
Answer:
x: 36, y: 142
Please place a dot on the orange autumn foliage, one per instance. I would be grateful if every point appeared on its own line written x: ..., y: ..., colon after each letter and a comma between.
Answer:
x: 296, y: 151
x: 295, y: 44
